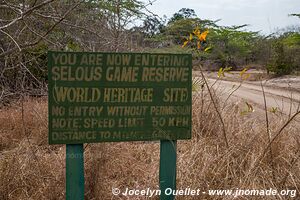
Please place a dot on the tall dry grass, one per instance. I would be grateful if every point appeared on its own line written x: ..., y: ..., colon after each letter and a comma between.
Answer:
x: 31, y: 169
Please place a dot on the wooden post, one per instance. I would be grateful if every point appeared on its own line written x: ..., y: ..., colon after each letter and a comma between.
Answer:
x: 74, y: 172
x: 167, y: 168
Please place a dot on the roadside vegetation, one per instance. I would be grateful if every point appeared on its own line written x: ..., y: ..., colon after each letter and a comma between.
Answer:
x: 253, y: 158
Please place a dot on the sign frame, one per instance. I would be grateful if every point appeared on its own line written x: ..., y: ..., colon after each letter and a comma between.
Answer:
x: 144, y: 132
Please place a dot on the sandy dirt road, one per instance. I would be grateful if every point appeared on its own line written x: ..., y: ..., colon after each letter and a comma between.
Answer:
x: 282, y: 99
x: 282, y: 94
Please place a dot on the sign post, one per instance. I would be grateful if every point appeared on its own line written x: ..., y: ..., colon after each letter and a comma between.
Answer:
x: 74, y: 172
x: 114, y: 97
x: 167, y: 168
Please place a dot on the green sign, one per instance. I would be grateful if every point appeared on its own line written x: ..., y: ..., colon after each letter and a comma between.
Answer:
x: 106, y: 97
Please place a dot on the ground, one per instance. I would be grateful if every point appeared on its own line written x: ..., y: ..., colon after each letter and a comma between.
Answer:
x: 282, y: 93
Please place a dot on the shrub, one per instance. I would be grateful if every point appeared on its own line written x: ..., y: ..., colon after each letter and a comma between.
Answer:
x: 280, y: 62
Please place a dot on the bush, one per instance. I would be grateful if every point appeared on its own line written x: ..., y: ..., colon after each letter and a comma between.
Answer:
x: 280, y: 62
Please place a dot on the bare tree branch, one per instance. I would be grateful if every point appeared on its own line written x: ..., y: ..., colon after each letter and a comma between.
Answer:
x: 24, y: 14
x: 33, y: 43
x: 12, y: 39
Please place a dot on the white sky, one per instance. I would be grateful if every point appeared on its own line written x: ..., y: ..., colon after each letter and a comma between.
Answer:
x: 262, y: 15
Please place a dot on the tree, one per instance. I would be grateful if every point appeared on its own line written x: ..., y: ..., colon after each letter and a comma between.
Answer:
x: 29, y: 28
x: 280, y: 63
x: 232, y: 46
x: 182, y: 23
x: 285, y: 51
x: 295, y: 15
x: 26, y: 32
x: 183, y: 13
x: 152, y: 26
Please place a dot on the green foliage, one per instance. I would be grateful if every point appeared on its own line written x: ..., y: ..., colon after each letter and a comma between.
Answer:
x: 37, y: 62
x: 73, y: 46
x: 182, y: 24
x: 222, y: 72
x: 124, y: 8
x: 295, y: 15
x: 231, y: 46
x: 183, y: 13
x: 284, y: 53
x: 179, y: 29
x: 169, y: 49
x: 280, y: 63
x: 292, y: 40
x: 228, y: 46
x: 152, y: 26
x: 234, y: 46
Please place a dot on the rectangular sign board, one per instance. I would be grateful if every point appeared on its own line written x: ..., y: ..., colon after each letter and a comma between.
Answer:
x: 110, y: 97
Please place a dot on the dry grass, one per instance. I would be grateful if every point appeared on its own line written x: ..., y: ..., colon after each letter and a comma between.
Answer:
x: 31, y: 169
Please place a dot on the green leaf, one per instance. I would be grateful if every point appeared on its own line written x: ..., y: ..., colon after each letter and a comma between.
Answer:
x: 208, y: 49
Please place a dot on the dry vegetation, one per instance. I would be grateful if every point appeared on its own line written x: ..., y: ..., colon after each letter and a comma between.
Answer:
x: 31, y: 169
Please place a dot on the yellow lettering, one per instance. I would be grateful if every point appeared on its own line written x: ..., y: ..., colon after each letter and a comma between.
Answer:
x: 122, y: 74
x: 55, y: 73
x: 175, y: 95
x: 159, y: 74
x: 73, y: 94
x: 133, y: 95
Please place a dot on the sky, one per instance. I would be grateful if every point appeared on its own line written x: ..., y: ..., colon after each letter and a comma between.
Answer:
x: 262, y: 15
